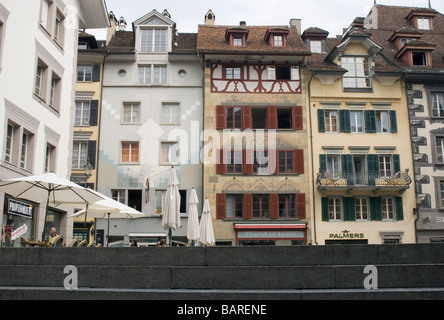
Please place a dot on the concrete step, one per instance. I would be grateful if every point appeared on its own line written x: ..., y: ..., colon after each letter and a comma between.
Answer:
x: 226, y: 277
x: 176, y: 295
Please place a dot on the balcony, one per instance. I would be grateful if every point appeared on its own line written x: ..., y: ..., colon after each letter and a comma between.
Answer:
x: 350, y: 181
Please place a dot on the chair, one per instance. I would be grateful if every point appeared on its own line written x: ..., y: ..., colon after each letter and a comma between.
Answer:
x: 98, y: 246
x: 91, y: 244
x: 82, y: 244
x: 72, y: 244
x: 6, y: 241
x: 57, y: 241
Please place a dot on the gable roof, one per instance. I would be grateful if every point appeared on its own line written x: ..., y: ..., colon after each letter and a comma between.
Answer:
x: 211, y: 39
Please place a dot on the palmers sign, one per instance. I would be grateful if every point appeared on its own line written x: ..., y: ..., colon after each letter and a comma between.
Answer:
x: 20, y: 208
x: 346, y: 235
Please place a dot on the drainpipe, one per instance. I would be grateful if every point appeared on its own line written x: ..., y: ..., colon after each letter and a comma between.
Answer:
x: 311, y: 156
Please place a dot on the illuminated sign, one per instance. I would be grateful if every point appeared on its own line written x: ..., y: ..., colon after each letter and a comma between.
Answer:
x: 20, y: 208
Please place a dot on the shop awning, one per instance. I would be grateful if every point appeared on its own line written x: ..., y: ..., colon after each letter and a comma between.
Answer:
x: 270, y: 226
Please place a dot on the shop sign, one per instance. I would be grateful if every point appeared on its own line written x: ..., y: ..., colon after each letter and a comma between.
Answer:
x: 20, y: 209
x: 19, y: 232
x: 346, y: 235
x: 270, y: 234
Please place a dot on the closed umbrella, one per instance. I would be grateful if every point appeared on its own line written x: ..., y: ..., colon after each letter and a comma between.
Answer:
x: 171, y: 206
x: 206, y: 226
x: 50, y: 188
x: 193, y: 219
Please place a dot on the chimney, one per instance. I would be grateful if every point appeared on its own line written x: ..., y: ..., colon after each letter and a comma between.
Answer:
x: 296, y: 24
x: 111, y: 30
x: 122, y: 24
x: 243, y: 23
x: 210, y: 18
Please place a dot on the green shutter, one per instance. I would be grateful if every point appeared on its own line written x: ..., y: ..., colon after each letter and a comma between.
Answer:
x: 323, y: 162
x: 349, y: 209
x: 344, y: 121
x: 325, y: 214
x: 370, y: 121
x: 396, y: 164
x: 399, y: 209
x: 393, y: 122
x: 372, y: 168
x: 347, y: 168
x: 321, y: 120
x: 376, y: 209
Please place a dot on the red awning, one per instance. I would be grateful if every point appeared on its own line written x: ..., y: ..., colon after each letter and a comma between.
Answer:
x: 269, y: 226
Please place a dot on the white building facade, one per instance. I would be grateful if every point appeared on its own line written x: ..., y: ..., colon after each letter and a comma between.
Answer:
x: 151, y: 116
x: 38, y: 58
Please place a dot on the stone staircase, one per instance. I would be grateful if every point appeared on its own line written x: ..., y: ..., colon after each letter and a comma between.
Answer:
x: 223, y: 273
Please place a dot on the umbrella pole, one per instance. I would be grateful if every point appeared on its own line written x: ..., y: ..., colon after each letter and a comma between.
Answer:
x: 170, y: 237
x: 46, y: 213
x: 107, y: 232
x: 84, y: 223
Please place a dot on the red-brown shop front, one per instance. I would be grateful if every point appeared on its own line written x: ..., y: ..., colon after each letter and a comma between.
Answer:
x: 270, y: 234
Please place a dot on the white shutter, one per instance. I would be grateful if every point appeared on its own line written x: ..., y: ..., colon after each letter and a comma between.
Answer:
x: 271, y: 73
x: 295, y: 73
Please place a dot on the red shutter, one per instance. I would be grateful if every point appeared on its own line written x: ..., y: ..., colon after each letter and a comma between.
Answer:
x: 274, y: 206
x: 221, y: 200
x: 248, y: 206
x: 298, y: 161
x: 300, y: 206
x: 247, y: 119
x: 247, y: 161
x: 221, y: 165
x: 297, y: 118
x: 272, y: 117
x: 221, y: 118
x: 273, y: 161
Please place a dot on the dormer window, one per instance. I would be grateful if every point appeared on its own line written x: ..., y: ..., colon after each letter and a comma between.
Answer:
x: 277, y: 37
x: 423, y: 23
x: 419, y: 58
x: 237, y: 37
x: 153, y: 40
x: 422, y: 18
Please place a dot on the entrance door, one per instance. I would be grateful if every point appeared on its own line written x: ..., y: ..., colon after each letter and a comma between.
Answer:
x: 359, y: 169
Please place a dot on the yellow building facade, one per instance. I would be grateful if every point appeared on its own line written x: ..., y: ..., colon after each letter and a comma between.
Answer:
x: 362, y: 166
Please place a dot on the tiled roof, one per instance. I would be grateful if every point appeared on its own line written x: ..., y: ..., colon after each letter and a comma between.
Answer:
x: 185, y: 43
x: 122, y: 42
x: 211, y: 39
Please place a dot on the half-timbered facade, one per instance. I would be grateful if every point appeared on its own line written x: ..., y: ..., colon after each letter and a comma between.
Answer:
x: 255, y: 139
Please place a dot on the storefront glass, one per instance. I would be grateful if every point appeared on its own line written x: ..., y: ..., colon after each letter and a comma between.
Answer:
x: 18, y: 214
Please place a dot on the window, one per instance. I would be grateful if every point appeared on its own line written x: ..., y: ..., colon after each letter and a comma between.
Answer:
x: 135, y: 199
x: 84, y: 73
x: 284, y: 117
x: 233, y: 73
x: 234, y: 117
x: 382, y: 121
x: 358, y: 75
x: 170, y: 113
x: 333, y: 163
x: 361, y: 208
x: 160, y: 74
x: 40, y: 78
x: 283, y: 73
x: 59, y: 30
x: 259, y: 118
x: 54, y: 92
x: 439, y: 149
x: 286, y: 161
x: 441, y: 194
x: 423, y: 23
x: 153, y: 40
x: 130, y: 152
x: 388, y: 211
x: 9, y: 142
x: 160, y: 195
x: 335, y: 208
x: 44, y: 21
x: 238, y: 40
x: 82, y: 113
x: 260, y: 164
x: 287, y: 203
x: 145, y: 75
x: 50, y: 156
x: 183, y: 201
x: 234, y: 162
x: 170, y: 152
x: 316, y: 46
x: 261, y: 206
x: 234, y: 206
x: 119, y: 195
x: 79, y: 154
x: 385, y: 166
x: 356, y: 121
x: 2, y: 31
x: 419, y: 58
x: 131, y: 113
x: 24, y: 151
x: 438, y: 104
x: 331, y: 121
x: 278, y: 41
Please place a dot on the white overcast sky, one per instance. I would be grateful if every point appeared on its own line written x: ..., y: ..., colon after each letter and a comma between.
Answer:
x: 330, y: 15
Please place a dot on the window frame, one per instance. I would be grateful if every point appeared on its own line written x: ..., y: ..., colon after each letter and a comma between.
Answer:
x: 335, y: 215
x: 84, y: 73
x: 169, y: 159
x: 389, y: 215
x: 79, y: 121
x: 134, y: 119
x: 385, y: 167
x: 290, y: 206
x: 157, y: 45
x: 258, y: 206
x: 329, y: 118
x: 352, y: 73
x: 233, y: 72
x: 354, y: 121
x: 288, y: 161
x: 132, y: 145
x: 359, y: 213
x: 435, y: 98
x: 171, y: 107
x: 235, y: 212
x: 439, y: 149
x: 80, y: 163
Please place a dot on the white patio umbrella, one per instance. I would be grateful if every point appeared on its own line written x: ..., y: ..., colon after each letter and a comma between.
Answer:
x: 171, y: 206
x: 193, y: 218
x: 108, y: 207
x: 206, y: 226
x: 48, y: 188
